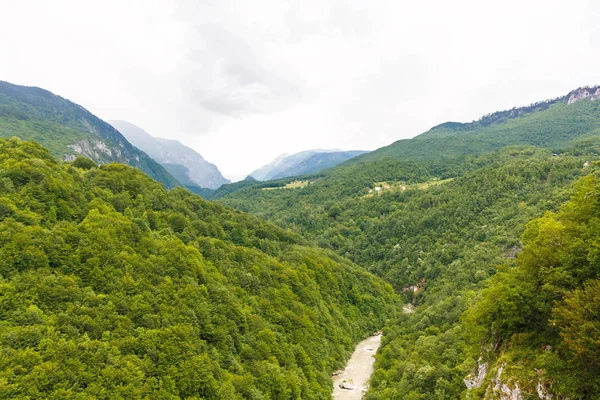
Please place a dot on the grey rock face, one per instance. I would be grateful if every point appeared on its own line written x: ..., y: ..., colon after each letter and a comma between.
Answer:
x: 184, y: 163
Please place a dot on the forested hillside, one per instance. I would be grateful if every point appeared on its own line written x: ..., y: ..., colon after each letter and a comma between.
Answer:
x: 542, y: 317
x: 554, y: 124
x: 113, y: 287
x: 438, y: 230
x: 443, y: 240
x: 69, y: 130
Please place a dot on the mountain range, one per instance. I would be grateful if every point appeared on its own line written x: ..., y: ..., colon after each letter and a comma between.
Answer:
x: 69, y: 130
x: 305, y: 162
x: 184, y: 163
x: 473, y: 246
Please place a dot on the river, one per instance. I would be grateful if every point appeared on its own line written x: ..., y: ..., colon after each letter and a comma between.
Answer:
x: 358, y: 371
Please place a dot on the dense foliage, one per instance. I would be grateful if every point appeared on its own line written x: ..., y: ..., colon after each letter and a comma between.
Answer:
x: 443, y: 239
x: 545, y: 312
x: 60, y: 125
x: 113, y: 287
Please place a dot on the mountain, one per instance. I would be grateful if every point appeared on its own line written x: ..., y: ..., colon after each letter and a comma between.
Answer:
x: 554, y: 123
x: 69, y: 130
x: 487, y: 231
x: 306, y: 162
x: 181, y: 161
x: 470, y: 223
x: 114, y: 287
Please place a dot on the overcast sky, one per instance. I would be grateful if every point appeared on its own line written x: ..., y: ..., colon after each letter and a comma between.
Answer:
x: 244, y: 81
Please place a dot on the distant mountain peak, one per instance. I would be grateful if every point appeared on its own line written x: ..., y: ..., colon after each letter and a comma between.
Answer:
x: 189, y: 167
x: 302, y: 163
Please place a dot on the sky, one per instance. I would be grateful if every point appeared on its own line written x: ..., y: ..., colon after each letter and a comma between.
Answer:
x: 244, y: 81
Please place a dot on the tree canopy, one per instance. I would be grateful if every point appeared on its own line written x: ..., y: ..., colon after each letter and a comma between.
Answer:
x: 113, y: 287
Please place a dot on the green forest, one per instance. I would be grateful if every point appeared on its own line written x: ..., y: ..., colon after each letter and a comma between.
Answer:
x: 113, y: 287
x: 545, y: 311
x: 461, y: 230
x: 474, y: 247
x: 446, y: 239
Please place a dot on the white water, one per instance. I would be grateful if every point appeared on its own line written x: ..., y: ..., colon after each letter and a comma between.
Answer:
x: 357, y: 371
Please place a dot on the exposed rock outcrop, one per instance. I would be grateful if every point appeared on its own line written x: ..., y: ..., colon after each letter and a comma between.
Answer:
x: 499, y: 389
x: 584, y: 93
x: 475, y: 382
x: 543, y: 391
x: 95, y: 149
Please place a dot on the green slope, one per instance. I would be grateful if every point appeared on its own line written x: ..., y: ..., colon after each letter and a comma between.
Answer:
x: 446, y: 239
x: 113, y: 287
x: 544, y: 314
x: 68, y: 130
x: 555, y: 125
x: 444, y: 226
x: 450, y: 149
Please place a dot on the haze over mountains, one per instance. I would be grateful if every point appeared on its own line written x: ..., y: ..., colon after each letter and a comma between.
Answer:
x: 68, y: 130
x: 184, y: 163
x: 305, y: 162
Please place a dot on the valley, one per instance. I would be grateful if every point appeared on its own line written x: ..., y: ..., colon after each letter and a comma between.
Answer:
x: 300, y: 200
x: 112, y: 284
x: 474, y: 247
x: 459, y: 221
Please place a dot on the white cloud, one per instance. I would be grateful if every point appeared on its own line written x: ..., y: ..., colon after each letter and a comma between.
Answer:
x: 245, y: 81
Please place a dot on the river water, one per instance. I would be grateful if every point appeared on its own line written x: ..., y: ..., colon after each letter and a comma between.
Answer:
x: 357, y: 371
